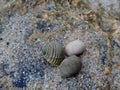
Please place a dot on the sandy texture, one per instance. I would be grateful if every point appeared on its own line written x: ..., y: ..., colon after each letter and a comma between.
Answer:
x: 29, y: 25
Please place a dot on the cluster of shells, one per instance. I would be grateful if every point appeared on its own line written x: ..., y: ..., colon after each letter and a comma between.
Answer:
x: 64, y: 57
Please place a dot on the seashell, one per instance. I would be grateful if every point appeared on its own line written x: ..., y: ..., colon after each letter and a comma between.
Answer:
x: 70, y: 66
x: 53, y: 53
x: 74, y: 48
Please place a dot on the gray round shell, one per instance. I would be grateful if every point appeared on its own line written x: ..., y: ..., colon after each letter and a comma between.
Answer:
x: 75, y: 47
x: 70, y: 66
x: 53, y: 53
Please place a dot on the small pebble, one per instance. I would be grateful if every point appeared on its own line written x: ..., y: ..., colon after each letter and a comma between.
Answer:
x: 74, y: 48
x: 117, y: 66
x: 44, y: 15
x: 107, y: 70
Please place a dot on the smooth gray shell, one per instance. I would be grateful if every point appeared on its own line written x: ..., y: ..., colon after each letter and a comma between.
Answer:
x: 53, y: 53
x: 70, y: 66
x: 75, y: 47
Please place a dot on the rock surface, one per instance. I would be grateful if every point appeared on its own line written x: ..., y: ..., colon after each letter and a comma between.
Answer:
x: 28, y: 24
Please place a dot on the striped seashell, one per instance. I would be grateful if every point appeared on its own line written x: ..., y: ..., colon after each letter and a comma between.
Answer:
x: 70, y: 66
x: 53, y: 53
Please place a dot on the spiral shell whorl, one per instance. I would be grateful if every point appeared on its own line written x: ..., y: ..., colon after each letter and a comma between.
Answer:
x: 53, y: 53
